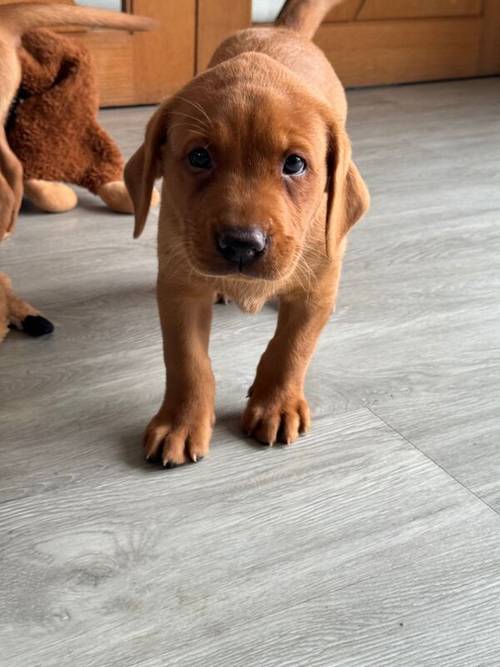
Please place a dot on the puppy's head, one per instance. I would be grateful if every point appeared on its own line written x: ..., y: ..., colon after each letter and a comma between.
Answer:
x: 247, y: 154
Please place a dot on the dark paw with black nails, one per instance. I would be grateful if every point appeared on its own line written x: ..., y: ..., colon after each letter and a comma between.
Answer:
x: 36, y: 325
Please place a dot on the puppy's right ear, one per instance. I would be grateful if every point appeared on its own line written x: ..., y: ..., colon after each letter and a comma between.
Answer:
x: 144, y: 167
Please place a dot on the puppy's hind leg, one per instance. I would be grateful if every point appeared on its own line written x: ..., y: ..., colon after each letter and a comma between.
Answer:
x: 11, y: 186
x: 7, y: 207
x: 21, y: 314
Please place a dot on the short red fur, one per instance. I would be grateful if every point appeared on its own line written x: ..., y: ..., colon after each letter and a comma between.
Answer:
x: 268, y: 93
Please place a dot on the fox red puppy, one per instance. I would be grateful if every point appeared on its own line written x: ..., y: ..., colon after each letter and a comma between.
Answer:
x: 259, y: 192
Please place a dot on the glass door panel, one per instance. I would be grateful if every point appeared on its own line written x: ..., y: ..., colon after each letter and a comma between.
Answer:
x: 265, y: 11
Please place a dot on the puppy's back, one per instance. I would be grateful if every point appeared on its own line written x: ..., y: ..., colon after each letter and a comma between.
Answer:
x: 289, y: 43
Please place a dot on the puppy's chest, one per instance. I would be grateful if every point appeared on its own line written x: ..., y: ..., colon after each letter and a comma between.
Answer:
x: 249, y: 296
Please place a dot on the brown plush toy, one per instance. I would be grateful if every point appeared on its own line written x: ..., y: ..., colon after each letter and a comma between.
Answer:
x: 53, y: 130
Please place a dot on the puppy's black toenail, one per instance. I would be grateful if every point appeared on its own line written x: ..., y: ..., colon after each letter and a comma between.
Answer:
x: 36, y: 325
x: 170, y: 464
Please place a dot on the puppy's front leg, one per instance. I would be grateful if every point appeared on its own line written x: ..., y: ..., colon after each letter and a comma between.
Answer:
x: 181, y: 430
x: 277, y: 410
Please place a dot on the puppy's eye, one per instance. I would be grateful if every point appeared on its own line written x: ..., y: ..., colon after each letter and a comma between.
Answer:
x: 294, y: 165
x: 199, y: 158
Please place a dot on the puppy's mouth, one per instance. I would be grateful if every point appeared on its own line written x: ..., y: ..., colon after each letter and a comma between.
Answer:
x: 263, y: 269
x: 239, y: 271
x: 243, y: 255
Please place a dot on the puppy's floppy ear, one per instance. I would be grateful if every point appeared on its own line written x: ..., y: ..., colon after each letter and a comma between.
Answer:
x: 144, y: 167
x: 348, y: 197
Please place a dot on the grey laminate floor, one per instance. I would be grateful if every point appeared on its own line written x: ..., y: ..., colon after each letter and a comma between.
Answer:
x: 375, y: 540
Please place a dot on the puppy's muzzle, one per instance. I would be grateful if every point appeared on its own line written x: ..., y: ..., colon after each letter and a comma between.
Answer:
x: 242, y: 245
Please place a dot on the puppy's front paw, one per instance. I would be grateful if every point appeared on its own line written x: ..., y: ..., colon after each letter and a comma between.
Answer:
x: 174, y: 437
x: 277, y: 418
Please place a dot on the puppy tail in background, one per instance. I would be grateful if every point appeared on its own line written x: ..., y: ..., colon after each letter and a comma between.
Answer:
x: 18, y: 18
x: 19, y: 313
x: 305, y: 16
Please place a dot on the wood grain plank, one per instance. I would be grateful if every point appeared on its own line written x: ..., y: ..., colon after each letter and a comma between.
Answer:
x: 319, y: 542
x: 347, y: 11
x: 218, y: 19
x: 489, y: 57
x: 113, y: 57
x: 352, y: 547
x: 440, y: 317
x: 378, y: 52
x: 164, y: 59
x: 395, y: 9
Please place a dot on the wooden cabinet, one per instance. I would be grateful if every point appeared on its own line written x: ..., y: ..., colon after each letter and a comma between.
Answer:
x: 142, y: 68
x: 391, y: 41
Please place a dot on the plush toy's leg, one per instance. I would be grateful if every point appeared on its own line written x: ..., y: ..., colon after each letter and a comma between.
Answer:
x: 50, y: 196
x: 22, y: 314
x: 115, y: 195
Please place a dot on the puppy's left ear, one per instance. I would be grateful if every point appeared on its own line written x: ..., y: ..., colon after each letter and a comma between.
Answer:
x: 348, y: 197
x: 144, y: 167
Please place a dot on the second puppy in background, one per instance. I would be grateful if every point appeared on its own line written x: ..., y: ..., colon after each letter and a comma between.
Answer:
x: 15, y: 20
x: 259, y: 192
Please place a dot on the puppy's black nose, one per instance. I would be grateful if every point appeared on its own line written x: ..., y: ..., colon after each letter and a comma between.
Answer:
x: 241, y: 245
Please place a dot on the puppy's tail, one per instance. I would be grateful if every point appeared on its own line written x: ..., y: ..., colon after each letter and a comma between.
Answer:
x: 305, y: 16
x: 17, y: 18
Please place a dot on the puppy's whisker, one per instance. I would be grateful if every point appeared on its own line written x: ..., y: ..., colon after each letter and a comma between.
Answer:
x: 189, y: 128
x: 196, y: 119
x: 196, y: 105
x: 305, y: 271
x: 175, y: 251
x: 178, y: 254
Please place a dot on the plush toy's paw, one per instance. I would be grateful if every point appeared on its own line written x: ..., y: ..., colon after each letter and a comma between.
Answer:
x: 115, y: 195
x: 36, y: 325
x: 50, y: 196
